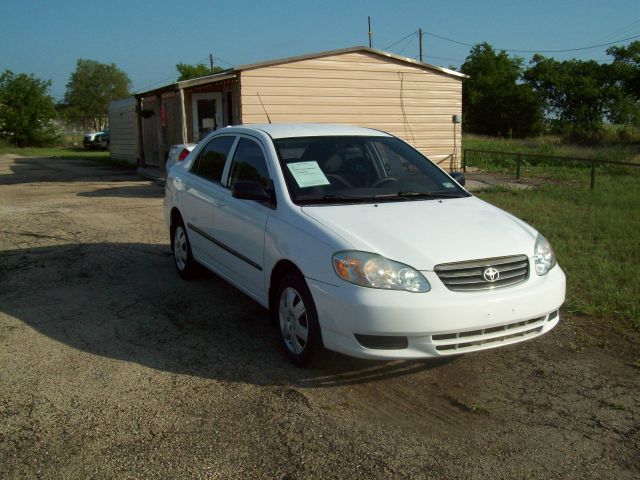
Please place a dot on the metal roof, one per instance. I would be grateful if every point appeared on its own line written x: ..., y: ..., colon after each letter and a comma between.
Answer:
x: 328, y: 53
x: 233, y: 72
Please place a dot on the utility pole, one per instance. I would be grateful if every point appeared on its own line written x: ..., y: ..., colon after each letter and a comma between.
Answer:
x: 420, y: 35
x: 370, y: 34
x: 211, y: 62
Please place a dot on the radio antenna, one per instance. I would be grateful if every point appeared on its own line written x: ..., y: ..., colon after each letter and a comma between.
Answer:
x: 263, y: 107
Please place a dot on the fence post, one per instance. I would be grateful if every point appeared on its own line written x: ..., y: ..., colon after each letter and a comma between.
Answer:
x: 518, y: 160
x: 464, y: 160
x: 593, y: 174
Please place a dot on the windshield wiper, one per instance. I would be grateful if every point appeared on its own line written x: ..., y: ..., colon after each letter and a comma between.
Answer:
x: 340, y: 197
x: 345, y: 198
x: 430, y: 194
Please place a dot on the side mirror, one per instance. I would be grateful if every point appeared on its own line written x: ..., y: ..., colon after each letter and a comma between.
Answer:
x: 246, y: 190
x: 458, y: 177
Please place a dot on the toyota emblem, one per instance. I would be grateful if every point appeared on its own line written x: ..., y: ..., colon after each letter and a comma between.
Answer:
x: 491, y: 274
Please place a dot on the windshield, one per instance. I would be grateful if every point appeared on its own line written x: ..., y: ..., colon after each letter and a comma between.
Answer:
x: 342, y: 169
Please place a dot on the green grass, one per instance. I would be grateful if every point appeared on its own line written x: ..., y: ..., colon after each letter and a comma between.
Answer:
x: 596, y: 236
x: 65, y: 152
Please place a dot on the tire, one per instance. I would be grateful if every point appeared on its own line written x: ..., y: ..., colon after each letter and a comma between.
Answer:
x: 297, y: 318
x: 182, y: 256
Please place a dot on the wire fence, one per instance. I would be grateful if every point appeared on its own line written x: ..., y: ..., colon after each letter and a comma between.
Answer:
x: 518, y: 160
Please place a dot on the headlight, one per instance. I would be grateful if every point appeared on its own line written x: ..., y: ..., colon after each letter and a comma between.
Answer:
x: 543, y: 256
x: 375, y: 271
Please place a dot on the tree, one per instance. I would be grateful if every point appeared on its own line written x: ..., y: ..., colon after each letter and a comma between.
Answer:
x: 494, y: 100
x: 26, y: 110
x: 625, y: 73
x: 195, y: 71
x: 577, y: 94
x: 91, y: 87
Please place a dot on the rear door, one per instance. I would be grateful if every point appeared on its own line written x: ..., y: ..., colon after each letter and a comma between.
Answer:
x: 202, y: 195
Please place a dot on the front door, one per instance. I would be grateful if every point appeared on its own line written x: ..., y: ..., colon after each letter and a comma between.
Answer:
x: 240, y: 224
x: 207, y: 113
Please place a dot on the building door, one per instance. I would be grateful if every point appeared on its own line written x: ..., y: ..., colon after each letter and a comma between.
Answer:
x: 207, y: 113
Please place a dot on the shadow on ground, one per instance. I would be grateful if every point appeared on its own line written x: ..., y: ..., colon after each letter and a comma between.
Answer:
x: 129, y: 191
x: 54, y: 170
x: 125, y: 301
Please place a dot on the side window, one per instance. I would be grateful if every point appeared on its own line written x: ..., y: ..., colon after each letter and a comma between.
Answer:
x: 249, y: 164
x: 210, y: 162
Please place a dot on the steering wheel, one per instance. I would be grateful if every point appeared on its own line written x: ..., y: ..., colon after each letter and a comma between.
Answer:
x: 382, y: 181
x: 338, y: 179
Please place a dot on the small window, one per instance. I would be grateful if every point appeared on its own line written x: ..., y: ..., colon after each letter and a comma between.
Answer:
x: 210, y: 162
x: 249, y: 164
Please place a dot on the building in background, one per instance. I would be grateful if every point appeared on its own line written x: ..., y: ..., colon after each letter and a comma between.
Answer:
x: 357, y: 86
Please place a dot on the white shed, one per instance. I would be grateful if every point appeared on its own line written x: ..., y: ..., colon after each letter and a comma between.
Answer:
x: 123, y: 130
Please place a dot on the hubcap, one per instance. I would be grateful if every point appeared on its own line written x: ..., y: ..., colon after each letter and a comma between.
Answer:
x: 180, y: 247
x: 293, y: 321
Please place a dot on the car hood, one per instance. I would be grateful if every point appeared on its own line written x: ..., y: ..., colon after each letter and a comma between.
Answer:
x: 423, y: 234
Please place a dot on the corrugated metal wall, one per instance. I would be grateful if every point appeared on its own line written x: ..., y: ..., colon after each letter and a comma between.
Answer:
x: 123, y: 129
x: 362, y: 89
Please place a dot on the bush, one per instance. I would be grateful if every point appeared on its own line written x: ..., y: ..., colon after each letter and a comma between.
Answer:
x: 26, y: 110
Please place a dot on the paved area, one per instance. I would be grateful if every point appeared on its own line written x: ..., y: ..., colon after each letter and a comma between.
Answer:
x: 113, y: 367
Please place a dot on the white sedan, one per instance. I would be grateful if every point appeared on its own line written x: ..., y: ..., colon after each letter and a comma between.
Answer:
x: 358, y: 243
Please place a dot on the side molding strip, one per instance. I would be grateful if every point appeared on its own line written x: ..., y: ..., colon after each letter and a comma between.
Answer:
x: 225, y: 247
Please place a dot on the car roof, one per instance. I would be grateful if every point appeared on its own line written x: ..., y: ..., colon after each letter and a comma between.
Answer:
x: 289, y: 130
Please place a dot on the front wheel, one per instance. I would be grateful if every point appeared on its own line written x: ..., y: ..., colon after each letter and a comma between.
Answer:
x: 298, y: 321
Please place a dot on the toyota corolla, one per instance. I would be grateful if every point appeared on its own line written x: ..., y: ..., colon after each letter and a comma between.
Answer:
x: 358, y: 243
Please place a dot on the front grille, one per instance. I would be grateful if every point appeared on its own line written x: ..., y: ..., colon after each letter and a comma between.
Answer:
x: 470, y: 340
x: 470, y: 275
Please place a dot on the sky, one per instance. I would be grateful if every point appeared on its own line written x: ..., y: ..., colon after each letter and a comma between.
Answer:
x: 146, y: 39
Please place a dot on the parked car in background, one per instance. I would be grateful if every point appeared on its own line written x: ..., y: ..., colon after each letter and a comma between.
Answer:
x: 358, y: 243
x: 177, y: 153
x: 97, y: 140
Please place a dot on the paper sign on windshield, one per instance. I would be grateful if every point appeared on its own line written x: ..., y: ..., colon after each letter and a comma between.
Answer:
x: 308, y: 174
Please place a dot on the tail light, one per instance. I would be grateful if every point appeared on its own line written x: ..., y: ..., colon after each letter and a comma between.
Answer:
x: 183, y: 154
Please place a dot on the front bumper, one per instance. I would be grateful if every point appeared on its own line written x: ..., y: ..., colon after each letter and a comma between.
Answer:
x: 440, y: 322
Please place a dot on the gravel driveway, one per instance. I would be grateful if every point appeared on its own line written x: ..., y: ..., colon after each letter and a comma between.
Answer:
x: 111, y: 366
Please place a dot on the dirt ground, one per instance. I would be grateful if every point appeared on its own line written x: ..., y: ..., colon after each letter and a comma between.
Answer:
x: 111, y: 366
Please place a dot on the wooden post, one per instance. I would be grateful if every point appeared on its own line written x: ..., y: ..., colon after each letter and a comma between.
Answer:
x: 159, y: 146
x: 464, y: 160
x: 140, y: 135
x: 183, y: 115
x: 593, y: 174
x: 518, y: 160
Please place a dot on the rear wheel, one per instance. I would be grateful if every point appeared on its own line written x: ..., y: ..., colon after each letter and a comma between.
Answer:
x: 182, y: 256
x: 298, y: 321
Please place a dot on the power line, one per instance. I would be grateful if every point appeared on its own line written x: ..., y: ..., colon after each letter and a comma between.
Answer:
x: 446, y: 59
x: 534, y: 51
x: 626, y: 30
x: 176, y: 75
x: 146, y: 86
x: 401, y: 40
x: 401, y: 51
x: 224, y: 61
